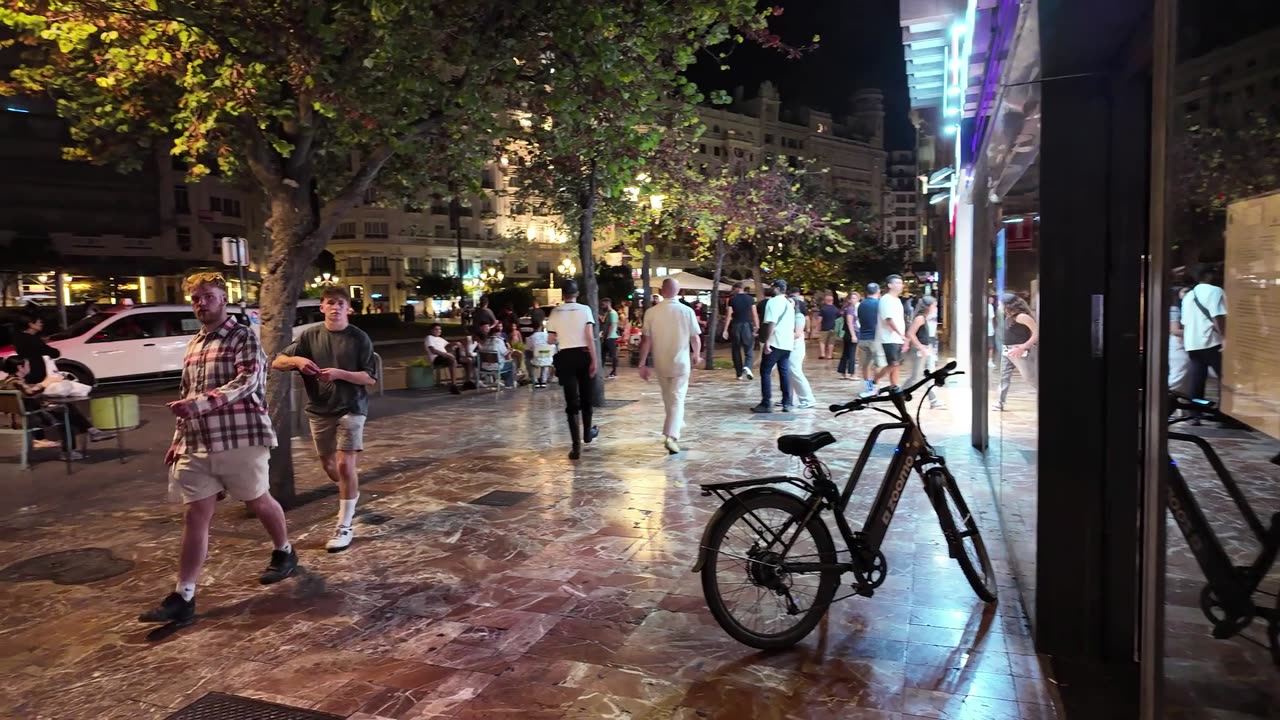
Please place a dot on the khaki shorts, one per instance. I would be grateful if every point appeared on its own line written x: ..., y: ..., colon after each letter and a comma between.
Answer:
x: 331, y: 434
x: 827, y: 337
x: 870, y: 354
x: 241, y: 472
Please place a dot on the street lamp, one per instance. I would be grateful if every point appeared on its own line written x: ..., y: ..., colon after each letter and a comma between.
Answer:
x: 325, y: 280
x: 492, y: 275
x: 655, y: 204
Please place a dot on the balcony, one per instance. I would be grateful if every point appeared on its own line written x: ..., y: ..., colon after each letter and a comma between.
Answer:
x: 379, y: 272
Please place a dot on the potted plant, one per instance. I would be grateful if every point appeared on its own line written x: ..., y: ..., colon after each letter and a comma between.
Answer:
x: 418, y: 374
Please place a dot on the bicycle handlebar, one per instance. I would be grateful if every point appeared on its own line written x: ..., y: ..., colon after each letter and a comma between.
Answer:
x: 887, y: 394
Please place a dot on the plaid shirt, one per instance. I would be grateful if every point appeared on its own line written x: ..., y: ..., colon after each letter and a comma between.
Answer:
x: 225, y: 374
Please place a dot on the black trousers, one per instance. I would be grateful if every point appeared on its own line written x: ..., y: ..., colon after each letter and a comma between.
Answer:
x: 1201, y: 361
x: 573, y: 368
x: 742, y: 342
x: 611, y: 354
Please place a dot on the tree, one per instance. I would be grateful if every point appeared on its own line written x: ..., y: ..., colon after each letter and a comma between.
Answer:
x: 752, y: 218
x: 606, y: 97
x: 314, y: 103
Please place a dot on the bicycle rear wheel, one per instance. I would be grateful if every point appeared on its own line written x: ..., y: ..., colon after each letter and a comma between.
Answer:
x: 745, y: 582
x: 961, y: 531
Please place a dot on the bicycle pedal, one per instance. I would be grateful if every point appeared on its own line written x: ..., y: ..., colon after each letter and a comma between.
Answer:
x: 864, y: 591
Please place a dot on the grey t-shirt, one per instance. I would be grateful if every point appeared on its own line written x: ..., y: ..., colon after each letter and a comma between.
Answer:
x: 347, y: 349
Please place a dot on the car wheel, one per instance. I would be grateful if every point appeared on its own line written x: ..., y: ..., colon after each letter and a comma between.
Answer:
x: 77, y: 372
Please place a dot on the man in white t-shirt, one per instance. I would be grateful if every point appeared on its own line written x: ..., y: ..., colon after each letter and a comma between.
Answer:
x: 1204, y: 327
x: 891, y: 331
x: 672, y: 334
x: 444, y: 356
x: 573, y: 326
x: 780, y: 322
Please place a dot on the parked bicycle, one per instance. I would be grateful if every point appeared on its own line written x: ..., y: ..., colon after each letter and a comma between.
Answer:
x: 1227, y: 599
x: 769, y: 567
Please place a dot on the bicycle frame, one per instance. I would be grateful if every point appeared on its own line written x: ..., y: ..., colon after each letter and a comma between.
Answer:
x: 1231, y: 587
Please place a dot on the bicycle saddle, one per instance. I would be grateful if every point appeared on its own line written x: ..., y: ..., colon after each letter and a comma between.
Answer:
x: 804, y: 445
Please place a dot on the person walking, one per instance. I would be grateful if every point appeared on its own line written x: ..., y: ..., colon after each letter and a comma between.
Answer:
x: 30, y: 346
x: 778, y: 332
x: 800, y: 383
x: 221, y: 443
x: 847, y: 331
x: 572, y: 326
x: 609, y: 335
x: 674, y: 337
x: 1204, y: 328
x: 870, y: 351
x: 890, y: 332
x: 741, y: 322
x: 337, y: 366
x: 922, y: 345
x: 828, y: 317
x: 1019, y: 333
x: 1178, y: 359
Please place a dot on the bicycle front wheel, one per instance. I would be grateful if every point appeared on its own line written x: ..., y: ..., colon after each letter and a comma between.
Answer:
x: 961, y: 531
x: 746, y: 582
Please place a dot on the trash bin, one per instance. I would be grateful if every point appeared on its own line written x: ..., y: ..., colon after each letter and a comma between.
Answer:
x: 408, y: 313
x: 119, y: 412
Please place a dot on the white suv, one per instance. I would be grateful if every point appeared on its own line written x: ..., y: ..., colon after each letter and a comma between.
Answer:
x: 142, y: 342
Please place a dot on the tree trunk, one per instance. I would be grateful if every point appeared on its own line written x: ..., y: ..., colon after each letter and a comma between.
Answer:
x: 294, y: 246
x: 757, y: 276
x: 590, y: 289
x: 713, y: 327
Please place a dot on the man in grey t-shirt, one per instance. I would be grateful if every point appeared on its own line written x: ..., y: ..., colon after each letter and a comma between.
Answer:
x: 336, y: 362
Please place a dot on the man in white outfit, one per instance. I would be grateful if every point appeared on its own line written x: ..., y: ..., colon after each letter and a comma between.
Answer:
x: 672, y: 335
x: 800, y: 383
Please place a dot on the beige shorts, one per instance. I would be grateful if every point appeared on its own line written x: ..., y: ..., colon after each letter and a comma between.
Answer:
x: 241, y: 472
x: 870, y: 354
x: 331, y: 434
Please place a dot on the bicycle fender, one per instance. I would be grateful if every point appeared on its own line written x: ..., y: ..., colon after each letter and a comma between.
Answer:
x: 706, y: 532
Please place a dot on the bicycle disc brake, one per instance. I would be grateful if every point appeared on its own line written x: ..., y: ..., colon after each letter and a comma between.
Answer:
x: 1225, y: 625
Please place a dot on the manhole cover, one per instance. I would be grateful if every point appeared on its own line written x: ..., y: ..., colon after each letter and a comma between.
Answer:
x: 69, y: 567
x: 219, y: 706
x: 501, y: 498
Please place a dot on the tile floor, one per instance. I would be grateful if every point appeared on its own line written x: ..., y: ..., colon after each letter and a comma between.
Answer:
x: 574, y: 603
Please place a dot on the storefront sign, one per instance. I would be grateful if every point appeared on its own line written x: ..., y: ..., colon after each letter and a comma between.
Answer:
x: 1251, y: 374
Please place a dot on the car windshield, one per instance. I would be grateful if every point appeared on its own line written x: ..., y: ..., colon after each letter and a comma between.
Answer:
x: 82, y: 326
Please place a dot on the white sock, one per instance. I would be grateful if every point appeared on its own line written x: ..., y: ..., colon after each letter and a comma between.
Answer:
x: 186, y: 590
x: 286, y: 547
x: 346, y: 511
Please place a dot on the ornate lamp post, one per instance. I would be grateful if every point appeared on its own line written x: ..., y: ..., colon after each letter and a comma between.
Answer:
x: 325, y: 280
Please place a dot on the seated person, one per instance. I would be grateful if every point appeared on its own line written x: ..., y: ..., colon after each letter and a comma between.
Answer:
x: 48, y: 414
x: 505, y: 368
x: 447, y: 356
x: 538, y: 356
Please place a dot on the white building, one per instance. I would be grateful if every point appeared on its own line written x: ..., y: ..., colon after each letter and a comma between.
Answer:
x: 902, y: 201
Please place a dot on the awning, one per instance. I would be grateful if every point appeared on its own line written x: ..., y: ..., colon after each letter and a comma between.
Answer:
x: 689, y: 282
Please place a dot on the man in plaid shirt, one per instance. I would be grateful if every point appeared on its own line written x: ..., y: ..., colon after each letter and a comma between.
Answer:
x: 222, y: 442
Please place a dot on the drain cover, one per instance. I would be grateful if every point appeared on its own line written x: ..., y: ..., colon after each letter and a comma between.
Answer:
x: 69, y: 567
x: 219, y: 706
x: 501, y: 498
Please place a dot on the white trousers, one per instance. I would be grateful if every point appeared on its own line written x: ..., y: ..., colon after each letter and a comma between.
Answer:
x: 673, y: 392
x: 799, y: 383
x: 1178, y: 364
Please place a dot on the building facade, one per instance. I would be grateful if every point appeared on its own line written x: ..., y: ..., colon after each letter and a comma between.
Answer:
x: 902, y: 201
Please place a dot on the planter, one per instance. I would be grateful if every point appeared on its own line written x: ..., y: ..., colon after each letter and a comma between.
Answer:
x: 393, y: 378
x: 418, y: 377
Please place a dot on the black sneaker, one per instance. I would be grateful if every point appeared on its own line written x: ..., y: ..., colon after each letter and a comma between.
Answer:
x: 468, y: 385
x: 454, y: 390
x: 282, y: 566
x: 592, y: 434
x: 173, y: 609
x: 761, y: 408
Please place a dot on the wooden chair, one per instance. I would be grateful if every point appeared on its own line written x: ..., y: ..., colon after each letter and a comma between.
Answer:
x: 19, y: 424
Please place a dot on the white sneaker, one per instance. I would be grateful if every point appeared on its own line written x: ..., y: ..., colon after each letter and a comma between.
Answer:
x: 672, y: 446
x: 749, y: 375
x: 96, y: 435
x: 805, y: 404
x: 342, y: 536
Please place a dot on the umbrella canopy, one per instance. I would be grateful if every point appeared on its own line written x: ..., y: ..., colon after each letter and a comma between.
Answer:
x: 688, y: 281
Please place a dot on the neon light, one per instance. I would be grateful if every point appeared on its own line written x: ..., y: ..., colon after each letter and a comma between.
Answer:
x: 10, y: 108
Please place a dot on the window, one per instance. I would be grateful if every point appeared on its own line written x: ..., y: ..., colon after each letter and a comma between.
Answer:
x: 181, y: 201
x: 345, y: 230
x: 486, y: 180
x: 768, y: 138
x: 138, y: 326
x: 413, y: 265
x: 486, y: 205
x: 354, y: 266
x: 911, y: 224
x: 717, y: 152
x: 544, y: 267
x: 184, y: 238
x: 439, y: 232
x: 215, y: 204
x: 439, y: 209
x: 520, y: 266
x: 440, y: 266
x: 490, y: 233
x: 375, y: 229
x: 467, y: 267
x: 702, y: 148
x: 378, y: 266
x: 715, y: 128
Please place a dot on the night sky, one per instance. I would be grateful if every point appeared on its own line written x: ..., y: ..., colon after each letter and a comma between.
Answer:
x: 861, y: 47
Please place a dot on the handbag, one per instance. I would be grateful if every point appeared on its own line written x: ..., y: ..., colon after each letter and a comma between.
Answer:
x: 840, y: 326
